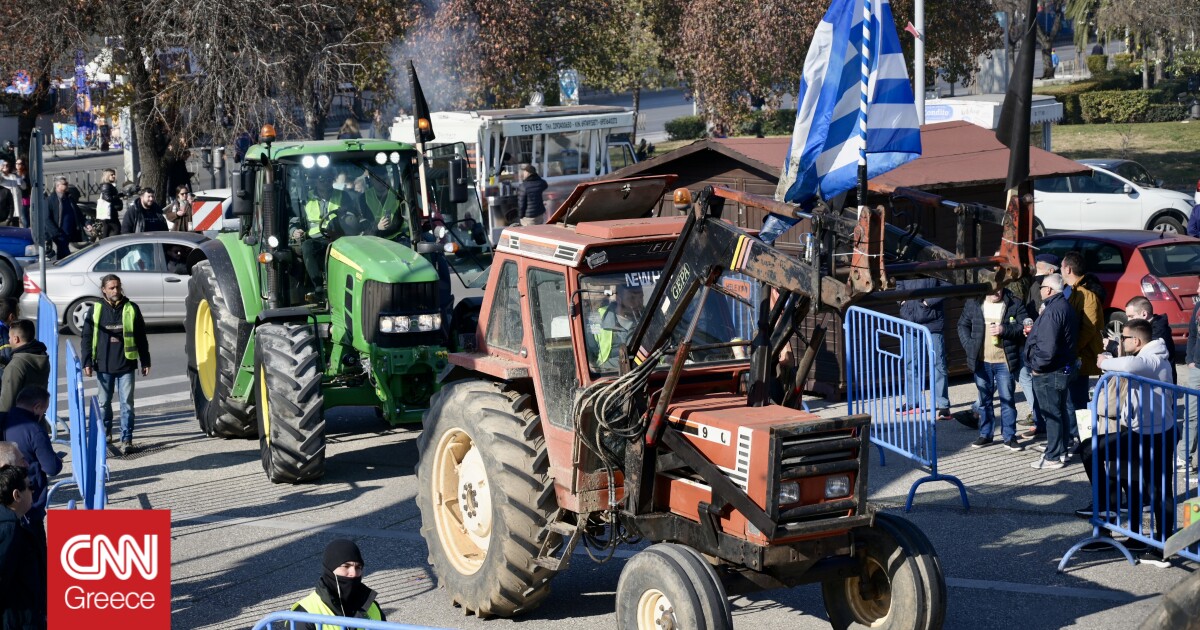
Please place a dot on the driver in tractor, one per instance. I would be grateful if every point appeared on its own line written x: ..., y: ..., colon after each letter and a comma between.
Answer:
x: 377, y: 200
x: 614, y: 326
x: 329, y: 212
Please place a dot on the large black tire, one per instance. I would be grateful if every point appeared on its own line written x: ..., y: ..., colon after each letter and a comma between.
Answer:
x: 10, y: 282
x: 893, y: 597
x: 1168, y: 222
x: 917, y: 544
x: 714, y: 602
x: 485, y: 498
x: 659, y: 588
x: 291, y: 421
x: 218, y: 413
x: 1178, y: 608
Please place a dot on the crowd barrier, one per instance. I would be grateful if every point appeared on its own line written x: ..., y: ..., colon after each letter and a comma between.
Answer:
x: 47, y: 333
x: 89, y: 450
x: 890, y: 375
x: 289, y: 619
x: 1137, y: 427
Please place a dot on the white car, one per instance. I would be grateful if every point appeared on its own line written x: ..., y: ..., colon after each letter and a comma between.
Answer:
x: 1107, y: 201
x: 149, y: 277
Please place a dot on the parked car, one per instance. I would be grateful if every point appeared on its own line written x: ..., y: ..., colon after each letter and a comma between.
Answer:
x: 1165, y: 268
x: 1106, y: 200
x: 148, y: 275
x: 16, y: 251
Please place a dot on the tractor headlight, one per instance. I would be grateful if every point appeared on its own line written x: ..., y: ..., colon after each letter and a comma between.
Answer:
x: 837, y: 486
x: 409, y: 323
x: 789, y: 492
x: 426, y: 323
x: 273, y: 241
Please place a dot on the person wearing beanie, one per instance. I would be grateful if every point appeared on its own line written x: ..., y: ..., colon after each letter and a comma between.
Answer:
x: 340, y: 591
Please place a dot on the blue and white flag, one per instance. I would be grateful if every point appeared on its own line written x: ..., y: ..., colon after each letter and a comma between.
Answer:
x: 824, y: 155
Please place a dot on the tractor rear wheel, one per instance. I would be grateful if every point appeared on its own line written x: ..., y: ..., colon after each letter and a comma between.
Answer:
x: 664, y: 587
x: 291, y: 421
x: 485, y: 498
x: 888, y: 592
x: 214, y: 342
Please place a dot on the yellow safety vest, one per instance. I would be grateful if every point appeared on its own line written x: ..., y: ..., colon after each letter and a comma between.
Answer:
x: 315, y: 605
x: 127, y: 317
x: 387, y: 208
x: 317, y: 216
x: 604, y: 338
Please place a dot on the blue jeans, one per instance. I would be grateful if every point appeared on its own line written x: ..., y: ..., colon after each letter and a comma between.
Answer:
x: 1051, y: 392
x: 995, y: 378
x: 124, y: 386
x: 940, y: 388
x: 1026, y: 380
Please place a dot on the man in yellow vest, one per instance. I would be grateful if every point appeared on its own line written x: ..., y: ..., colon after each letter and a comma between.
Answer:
x: 113, y: 341
x: 340, y: 591
x: 616, y: 324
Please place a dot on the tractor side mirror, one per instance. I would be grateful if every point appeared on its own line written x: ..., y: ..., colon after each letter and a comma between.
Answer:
x: 243, y: 193
x: 458, y: 180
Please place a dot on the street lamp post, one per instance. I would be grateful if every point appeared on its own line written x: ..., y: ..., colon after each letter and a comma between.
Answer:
x: 919, y: 59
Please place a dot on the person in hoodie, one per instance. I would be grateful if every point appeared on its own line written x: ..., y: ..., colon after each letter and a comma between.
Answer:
x: 23, y: 427
x: 30, y: 365
x: 1141, y: 308
x: 1150, y: 415
x: 22, y: 561
x: 931, y: 313
x: 340, y: 592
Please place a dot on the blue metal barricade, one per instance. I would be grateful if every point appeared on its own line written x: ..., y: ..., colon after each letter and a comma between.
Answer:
x: 99, y: 461
x: 47, y: 333
x: 289, y: 619
x: 89, y: 452
x: 1137, y: 485
x: 890, y: 375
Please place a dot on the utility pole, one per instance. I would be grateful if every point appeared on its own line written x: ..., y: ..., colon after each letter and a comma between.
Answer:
x: 919, y: 60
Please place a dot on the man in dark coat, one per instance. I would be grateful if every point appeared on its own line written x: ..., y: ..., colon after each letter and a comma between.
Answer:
x: 30, y: 364
x: 22, y: 560
x: 530, y: 206
x: 1140, y: 308
x: 64, y: 219
x: 1044, y: 265
x: 929, y: 312
x: 340, y: 592
x: 1050, y: 355
x: 991, y: 333
x: 22, y: 425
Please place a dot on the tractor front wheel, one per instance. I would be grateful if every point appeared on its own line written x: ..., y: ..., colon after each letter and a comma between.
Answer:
x: 671, y: 586
x: 214, y: 342
x: 485, y: 498
x: 889, y: 590
x: 291, y: 422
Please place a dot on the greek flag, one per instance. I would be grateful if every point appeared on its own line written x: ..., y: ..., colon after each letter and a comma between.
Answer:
x: 837, y: 124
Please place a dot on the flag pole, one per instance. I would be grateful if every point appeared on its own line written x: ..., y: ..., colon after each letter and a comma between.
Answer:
x: 862, y: 107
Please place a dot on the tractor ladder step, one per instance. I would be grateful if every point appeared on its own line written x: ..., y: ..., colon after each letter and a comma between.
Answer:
x: 558, y: 543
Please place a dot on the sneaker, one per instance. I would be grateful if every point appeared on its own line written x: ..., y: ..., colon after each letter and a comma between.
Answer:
x: 1072, y: 448
x: 1097, y: 545
x: 1013, y: 445
x: 1041, y: 448
x: 1047, y: 464
x: 1027, y: 421
x: 981, y: 442
x: 1033, y: 434
x: 905, y: 410
x: 944, y: 414
x: 1084, y: 512
x: 127, y: 448
x: 1181, y: 462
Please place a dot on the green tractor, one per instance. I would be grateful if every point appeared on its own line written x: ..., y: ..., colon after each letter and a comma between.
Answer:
x: 309, y: 307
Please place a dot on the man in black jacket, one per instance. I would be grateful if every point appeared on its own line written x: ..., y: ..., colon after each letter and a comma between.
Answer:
x: 1044, y: 265
x: 64, y: 219
x: 530, y: 206
x: 1140, y: 308
x: 113, y: 340
x: 929, y: 312
x: 22, y: 425
x: 1192, y: 358
x: 340, y: 592
x: 144, y: 215
x: 991, y: 334
x: 1050, y: 355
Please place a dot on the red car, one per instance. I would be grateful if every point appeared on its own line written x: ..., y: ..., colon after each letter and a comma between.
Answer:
x: 1165, y: 268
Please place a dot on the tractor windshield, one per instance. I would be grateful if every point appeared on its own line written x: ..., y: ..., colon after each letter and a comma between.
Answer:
x: 614, y: 302
x: 372, y: 193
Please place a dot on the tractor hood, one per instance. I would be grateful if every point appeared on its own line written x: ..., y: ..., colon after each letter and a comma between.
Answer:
x: 374, y: 258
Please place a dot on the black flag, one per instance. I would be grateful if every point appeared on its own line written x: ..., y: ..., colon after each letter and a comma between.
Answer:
x: 1013, y: 129
x: 422, y: 122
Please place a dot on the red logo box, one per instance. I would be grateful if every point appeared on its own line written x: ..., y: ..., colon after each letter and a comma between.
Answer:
x: 109, y: 569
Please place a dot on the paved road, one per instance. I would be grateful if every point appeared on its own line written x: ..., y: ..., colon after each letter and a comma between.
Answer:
x: 242, y: 547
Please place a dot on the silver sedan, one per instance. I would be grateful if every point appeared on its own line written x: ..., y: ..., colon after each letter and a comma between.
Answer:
x: 152, y: 267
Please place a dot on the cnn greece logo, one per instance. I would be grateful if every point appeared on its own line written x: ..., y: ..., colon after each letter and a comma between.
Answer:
x: 121, y: 558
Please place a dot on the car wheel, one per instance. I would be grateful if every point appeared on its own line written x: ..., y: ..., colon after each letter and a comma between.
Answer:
x: 1039, y: 230
x: 10, y: 284
x: 1116, y: 323
x: 1167, y: 223
x: 77, y: 313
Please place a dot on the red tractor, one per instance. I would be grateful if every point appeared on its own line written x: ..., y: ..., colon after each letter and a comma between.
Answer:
x: 621, y: 388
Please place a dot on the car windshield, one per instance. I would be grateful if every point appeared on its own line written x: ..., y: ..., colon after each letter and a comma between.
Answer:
x: 613, y: 303
x: 1173, y: 259
x: 1136, y: 174
x: 75, y: 255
